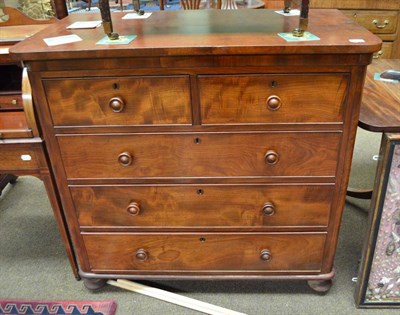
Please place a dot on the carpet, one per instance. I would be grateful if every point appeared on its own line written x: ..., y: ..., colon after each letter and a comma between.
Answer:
x: 30, y: 307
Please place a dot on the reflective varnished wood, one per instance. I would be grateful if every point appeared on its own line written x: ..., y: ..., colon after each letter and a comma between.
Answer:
x: 380, y: 109
x: 234, y: 163
x: 179, y: 33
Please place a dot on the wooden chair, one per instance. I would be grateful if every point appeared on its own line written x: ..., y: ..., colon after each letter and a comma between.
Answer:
x: 196, y: 4
x: 190, y: 4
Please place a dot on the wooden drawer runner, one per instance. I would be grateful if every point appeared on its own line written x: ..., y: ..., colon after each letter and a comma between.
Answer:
x: 203, y: 205
x: 17, y: 156
x: 200, y: 155
x: 204, y: 251
x: 378, y: 22
x: 119, y: 101
x: 272, y: 98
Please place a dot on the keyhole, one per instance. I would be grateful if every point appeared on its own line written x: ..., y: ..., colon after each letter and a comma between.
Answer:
x: 202, y: 239
x: 274, y: 84
x: 197, y: 140
x: 115, y: 86
x: 200, y: 192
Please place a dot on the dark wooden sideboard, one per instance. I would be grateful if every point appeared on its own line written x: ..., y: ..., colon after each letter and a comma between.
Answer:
x: 205, y: 148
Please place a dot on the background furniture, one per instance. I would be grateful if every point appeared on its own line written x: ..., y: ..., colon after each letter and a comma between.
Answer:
x: 234, y: 167
x: 378, y: 279
x: 379, y: 16
x: 22, y: 151
x: 13, y: 121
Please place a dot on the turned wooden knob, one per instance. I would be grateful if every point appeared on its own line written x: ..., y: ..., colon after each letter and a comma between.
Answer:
x: 265, y: 255
x: 125, y: 159
x: 133, y: 208
x: 268, y: 209
x: 271, y: 157
x: 274, y: 102
x: 141, y: 255
x: 117, y: 104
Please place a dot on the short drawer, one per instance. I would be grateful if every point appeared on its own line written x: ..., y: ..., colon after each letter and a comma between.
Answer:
x: 200, y: 155
x: 378, y: 22
x: 17, y: 157
x: 148, y: 100
x: 180, y: 252
x: 203, y: 205
x: 272, y: 98
x: 13, y: 124
x: 11, y: 102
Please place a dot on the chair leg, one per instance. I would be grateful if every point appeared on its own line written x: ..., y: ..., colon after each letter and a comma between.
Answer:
x: 5, y: 179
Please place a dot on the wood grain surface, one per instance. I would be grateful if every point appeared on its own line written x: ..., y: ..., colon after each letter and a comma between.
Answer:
x: 217, y: 155
x: 202, y: 32
x: 222, y: 102
x: 204, y: 252
x: 215, y: 206
x: 151, y: 100
x: 380, y: 108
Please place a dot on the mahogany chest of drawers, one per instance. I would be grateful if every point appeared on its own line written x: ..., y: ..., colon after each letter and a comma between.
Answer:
x: 204, y: 149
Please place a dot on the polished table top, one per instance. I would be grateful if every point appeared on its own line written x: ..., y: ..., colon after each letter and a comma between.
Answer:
x: 380, y: 107
x: 10, y: 35
x: 200, y: 33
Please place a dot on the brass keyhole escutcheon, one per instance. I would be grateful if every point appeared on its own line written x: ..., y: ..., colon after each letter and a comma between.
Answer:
x: 197, y: 140
x: 200, y: 192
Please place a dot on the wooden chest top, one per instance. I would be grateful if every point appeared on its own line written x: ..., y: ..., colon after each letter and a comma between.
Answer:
x: 204, y: 32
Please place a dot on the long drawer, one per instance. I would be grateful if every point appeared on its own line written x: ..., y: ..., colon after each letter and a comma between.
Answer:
x: 378, y: 22
x: 174, y: 206
x: 272, y: 98
x: 19, y: 156
x: 200, y: 155
x: 147, y: 100
x: 180, y: 252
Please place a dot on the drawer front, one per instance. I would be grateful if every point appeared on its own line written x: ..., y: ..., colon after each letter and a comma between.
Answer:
x: 18, y: 156
x: 378, y: 22
x: 200, y: 155
x: 272, y: 98
x: 203, y: 205
x: 385, y: 52
x: 11, y: 102
x: 13, y: 124
x: 119, y: 101
x: 204, y: 252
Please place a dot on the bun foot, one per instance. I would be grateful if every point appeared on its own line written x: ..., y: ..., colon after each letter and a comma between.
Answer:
x: 320, y: 286
x: 94, y: 284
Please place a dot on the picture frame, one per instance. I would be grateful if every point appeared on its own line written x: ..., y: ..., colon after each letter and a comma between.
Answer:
x: 378, y: 283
